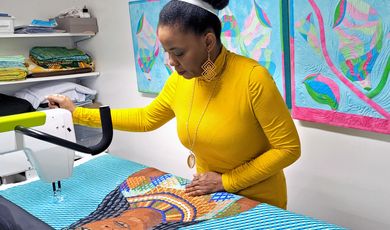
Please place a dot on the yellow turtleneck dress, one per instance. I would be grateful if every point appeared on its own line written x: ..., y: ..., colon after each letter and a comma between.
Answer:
x: 246, y: 132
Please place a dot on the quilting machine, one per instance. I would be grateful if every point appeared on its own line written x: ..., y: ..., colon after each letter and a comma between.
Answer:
x: 53, y: 164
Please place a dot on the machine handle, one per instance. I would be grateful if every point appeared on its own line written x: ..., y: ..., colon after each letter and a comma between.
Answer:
x: 105, y: 118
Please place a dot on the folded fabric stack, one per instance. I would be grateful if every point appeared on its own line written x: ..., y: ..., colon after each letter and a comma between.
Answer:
x: 36, y: 94
x: 58, y: 60
x: 12, y: 68
x: 39, y: 26
x: 35, y: 30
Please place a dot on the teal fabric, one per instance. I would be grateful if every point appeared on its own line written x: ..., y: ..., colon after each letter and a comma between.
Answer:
x: 93, y: 180
x: 82, y: 193
x: 4, y: 64
x: 265, y: 216
x: 16, y: 58
x: 12, y: 62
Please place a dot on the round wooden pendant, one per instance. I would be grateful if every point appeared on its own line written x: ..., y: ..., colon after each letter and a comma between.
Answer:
x: 191, y: 160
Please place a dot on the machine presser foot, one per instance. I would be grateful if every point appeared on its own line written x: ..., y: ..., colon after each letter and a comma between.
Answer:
x: 57, y: 196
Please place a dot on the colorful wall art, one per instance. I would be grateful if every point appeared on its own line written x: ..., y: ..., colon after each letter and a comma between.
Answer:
x: 251, y: 28
x: 151, y: 67
x: 340, y: 55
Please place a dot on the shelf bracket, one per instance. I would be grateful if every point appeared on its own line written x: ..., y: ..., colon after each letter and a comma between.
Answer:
x: 75, y: 42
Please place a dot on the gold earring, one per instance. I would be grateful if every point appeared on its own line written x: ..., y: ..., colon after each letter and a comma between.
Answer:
x: 208, y: 68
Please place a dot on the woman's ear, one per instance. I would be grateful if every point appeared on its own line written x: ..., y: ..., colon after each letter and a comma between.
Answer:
x: 210, y: 40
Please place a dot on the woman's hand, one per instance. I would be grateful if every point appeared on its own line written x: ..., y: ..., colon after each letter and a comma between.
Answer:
x: 205, y: 183
x: 60, y: 101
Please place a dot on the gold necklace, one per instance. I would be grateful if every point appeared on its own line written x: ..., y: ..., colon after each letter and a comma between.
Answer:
x: 191, y: 160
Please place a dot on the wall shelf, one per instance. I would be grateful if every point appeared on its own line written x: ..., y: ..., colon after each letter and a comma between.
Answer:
x: 80, y: 36
x: 87, y: 34
x: 51, y: 78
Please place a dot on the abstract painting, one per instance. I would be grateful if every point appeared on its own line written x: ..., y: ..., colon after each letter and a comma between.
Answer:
x: 251, y: 28
x: 151, y: 66
x: 340, y: 62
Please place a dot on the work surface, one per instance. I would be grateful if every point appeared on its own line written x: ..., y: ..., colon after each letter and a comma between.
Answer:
x: 100, y: 180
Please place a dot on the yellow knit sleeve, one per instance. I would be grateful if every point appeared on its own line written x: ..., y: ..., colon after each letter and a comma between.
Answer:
x: 151, y: 117
x: 278, y: 126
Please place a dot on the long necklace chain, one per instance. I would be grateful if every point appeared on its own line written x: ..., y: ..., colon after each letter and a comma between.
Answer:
x: 191, y: 144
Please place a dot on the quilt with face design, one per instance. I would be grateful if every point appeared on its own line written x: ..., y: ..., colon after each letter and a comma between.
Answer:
x: 152, y: 199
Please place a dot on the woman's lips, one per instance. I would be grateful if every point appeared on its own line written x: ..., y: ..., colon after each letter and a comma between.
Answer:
x: 181, y: 72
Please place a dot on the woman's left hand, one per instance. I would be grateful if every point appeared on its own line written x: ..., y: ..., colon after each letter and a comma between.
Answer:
x: 205, y: 183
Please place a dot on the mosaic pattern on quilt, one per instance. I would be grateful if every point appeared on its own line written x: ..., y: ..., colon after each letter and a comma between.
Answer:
x: 156, y: 199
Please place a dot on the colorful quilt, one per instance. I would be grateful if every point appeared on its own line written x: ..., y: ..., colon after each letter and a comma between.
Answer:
x: 340, y: 55
x: 101, y: 193
x: 152, y: 199
x: 252, y: 28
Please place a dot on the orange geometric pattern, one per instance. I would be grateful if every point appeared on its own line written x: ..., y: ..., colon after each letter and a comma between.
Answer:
x: 165, y: 193
x: 150, y: 198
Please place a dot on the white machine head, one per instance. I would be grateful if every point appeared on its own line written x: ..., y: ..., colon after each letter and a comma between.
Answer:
x: 54, y: 130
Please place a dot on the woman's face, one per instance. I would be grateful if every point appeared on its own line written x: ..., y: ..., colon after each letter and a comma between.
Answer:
x: 186, y: 51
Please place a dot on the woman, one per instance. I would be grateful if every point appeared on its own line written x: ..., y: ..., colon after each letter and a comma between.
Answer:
x: 229, y: 112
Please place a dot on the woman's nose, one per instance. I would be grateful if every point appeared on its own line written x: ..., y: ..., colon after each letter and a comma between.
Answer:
x: 172, y: 61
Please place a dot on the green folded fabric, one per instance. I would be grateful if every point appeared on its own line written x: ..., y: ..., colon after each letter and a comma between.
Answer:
x: 62, y: 56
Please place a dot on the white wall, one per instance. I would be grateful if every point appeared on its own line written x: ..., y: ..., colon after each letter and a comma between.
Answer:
x: 342, y: 175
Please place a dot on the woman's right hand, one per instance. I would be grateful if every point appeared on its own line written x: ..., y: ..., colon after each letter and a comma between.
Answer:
x: 60, y: 101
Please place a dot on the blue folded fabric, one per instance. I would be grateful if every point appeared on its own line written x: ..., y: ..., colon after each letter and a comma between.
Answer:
x: 42, y: 23
x: 15, y: 58
x: 11, y: 64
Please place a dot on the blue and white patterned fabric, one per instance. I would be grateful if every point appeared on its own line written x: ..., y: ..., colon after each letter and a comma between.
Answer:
x: 93, y: 180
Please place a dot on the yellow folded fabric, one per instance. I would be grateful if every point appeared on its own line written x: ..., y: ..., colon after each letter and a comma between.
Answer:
x: 12, y: 74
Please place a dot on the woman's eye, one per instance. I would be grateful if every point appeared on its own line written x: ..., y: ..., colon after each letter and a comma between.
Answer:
x: 178, y: 53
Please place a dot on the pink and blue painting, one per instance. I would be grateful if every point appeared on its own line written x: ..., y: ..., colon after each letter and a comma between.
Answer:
x: 254, y: 29
x: 251, y: 28
x: 340, y: 62
x: 150, y: 64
